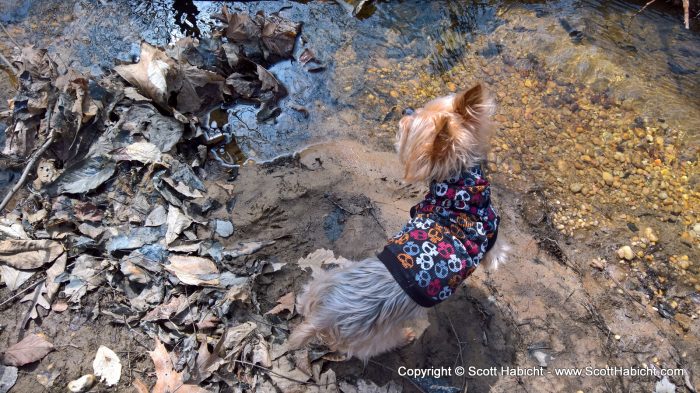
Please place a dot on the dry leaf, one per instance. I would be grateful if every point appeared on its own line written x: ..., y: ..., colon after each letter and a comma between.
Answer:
x: 144, y: 152
x: 318, y: 259
x: 32, y: 348
x: 107, y: 366
x: 284, y: 303
x: 13, y: 278
x: 150, y: 75
x: 169, y: 380
x: 29, y: 254
x: 233, y: 338
x: 177, y: 222
x: 140, y: 386
x: 193, y: 270
x: 261, y: 353
x: 156, y: 217
x: 167, y: 310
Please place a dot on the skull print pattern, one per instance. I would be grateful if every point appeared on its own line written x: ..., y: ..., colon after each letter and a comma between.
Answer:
x: 448, y: 235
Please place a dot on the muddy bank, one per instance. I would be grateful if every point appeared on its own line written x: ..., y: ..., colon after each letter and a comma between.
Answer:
x: 548, y: 298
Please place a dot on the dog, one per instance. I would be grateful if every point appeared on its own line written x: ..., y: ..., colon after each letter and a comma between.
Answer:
x: 367, y: 308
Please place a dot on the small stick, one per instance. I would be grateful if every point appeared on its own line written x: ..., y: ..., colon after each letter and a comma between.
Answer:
x: 28, y: 168
x: 282, y: 376
x: 9, y: 65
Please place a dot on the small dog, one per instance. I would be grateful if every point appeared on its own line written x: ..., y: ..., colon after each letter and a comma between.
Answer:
x: 367, y: 308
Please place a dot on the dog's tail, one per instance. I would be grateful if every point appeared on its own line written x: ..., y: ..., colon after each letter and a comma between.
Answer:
x: 497, y: 255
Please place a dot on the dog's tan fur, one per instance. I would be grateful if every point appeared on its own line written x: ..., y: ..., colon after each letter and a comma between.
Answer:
x: 360, y: 309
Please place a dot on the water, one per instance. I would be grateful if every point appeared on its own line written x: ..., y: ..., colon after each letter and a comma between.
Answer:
x: 596, y: 107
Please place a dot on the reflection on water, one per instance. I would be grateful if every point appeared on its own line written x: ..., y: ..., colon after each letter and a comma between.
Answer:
x: 595, y: 106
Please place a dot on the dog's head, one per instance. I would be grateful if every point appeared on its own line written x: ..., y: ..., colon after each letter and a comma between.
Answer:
x: 446, y: 136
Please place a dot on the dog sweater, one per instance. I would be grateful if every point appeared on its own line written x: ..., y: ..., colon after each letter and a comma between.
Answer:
x: 449, y: 233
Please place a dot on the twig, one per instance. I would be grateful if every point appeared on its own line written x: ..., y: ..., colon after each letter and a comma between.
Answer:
x: 9, y: 65
x: 22, y: 292
x: 650, y: 2
x: 283, y: 376
x: 29, y: 167
x: 7, y: 33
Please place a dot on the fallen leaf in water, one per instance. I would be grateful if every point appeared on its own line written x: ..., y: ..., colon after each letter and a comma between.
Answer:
x: 169, y: 380
x: 278, y: 36
x: 107, y: 366
x: 194, y: 90
x: 193, y: 270
x: 151, y: 74
x: 144, y: 152
x: 284, y: 303
x: 29, y: 254
x: 32, y: 348
x: 177, y: 222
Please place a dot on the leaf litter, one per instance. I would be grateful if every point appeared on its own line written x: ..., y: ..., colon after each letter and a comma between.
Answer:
x: 118, y: 201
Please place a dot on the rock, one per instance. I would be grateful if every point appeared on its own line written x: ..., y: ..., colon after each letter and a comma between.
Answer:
x: 625, y: 252
x: 608, y: 178
x: 684, y: 320
x: 82, y: 384
x: 649, y: 234
x: 576, y: 187
x: 599, y: 264
x: 223, y: 228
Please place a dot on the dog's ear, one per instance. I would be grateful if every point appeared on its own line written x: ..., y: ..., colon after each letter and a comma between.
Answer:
x: 472, y: 104
x: 443, y: 143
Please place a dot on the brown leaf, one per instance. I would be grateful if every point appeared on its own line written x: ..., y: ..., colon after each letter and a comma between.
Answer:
x: 140, y: 386
x: 278, y: 36
x: 151, y: 74
x: 167, y: 310
x: 32, y: 348
x: 284, y: 303
x: 193, y: 270
x: 169, y: 380
x: 29, y: 254
x: 195, y: 90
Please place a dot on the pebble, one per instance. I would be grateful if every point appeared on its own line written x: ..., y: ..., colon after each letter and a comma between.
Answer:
x: 683, y: 320
x: 608, y: 178
x: 649, y: 234
x: 625, y: 252
x: 223, y: 228
x: 576, y: 187
x: 82, y: 384
x: 663, y: 195
x: 617, y: 337
x: 394, y: 93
